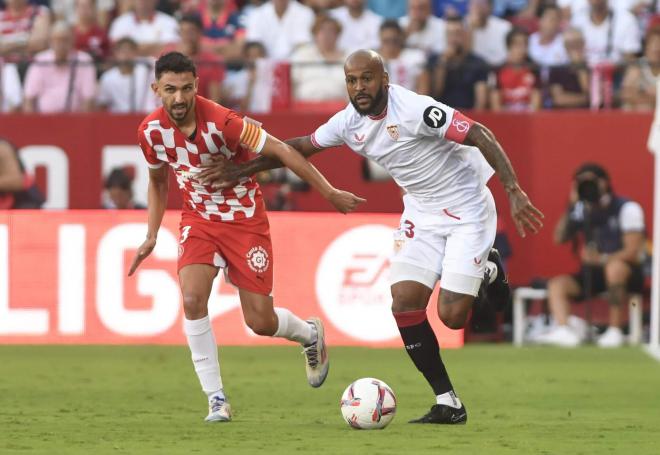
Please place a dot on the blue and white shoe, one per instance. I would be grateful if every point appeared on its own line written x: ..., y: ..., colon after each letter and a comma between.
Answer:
x: 317, y: 363
x: 219, y: 410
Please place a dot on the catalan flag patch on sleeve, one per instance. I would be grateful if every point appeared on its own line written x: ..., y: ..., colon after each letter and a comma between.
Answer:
x: 253, y: 136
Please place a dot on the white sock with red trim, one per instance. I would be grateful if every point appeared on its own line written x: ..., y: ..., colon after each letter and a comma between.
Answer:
x: 293, y: 328
x: 204, y: 350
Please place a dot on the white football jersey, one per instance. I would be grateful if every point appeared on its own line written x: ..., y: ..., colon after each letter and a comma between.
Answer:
x: 416, y: 140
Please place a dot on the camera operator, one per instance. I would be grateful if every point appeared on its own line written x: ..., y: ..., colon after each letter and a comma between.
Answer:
x: 608, y: 232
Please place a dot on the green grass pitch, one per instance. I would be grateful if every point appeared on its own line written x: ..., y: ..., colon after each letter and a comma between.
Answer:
x: 146, y: 400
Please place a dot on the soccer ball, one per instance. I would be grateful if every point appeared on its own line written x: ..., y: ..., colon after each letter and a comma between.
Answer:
x: 368, y: 404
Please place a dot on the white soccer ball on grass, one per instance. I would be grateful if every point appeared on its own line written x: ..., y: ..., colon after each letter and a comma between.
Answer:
x: 368, y: 404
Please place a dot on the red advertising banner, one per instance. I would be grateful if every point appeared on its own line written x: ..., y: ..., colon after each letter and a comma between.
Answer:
x: 63, y: 280
x: 71, y: 155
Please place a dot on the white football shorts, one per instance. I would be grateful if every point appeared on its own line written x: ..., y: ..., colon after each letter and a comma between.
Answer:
x: 449, y: 244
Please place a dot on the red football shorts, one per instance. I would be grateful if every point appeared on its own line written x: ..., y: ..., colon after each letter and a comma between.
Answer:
x: 243, y: 248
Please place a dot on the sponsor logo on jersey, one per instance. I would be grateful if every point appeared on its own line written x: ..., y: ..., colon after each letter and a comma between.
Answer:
x: 393, y: 131
x: 359, y: 138
x: 257, y: 259
x: 435, y: 117
x: 461, y: 125
x: 477, y: 261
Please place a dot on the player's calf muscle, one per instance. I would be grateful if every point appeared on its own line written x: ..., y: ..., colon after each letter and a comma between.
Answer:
x: 453, y: 308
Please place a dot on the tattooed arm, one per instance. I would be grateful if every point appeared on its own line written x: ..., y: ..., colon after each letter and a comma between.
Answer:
x: 524, y: 214
x: 221, y: 172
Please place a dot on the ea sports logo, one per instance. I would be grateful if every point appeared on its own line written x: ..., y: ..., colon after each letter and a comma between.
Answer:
x: 352, y: 283
x: 257, y: 259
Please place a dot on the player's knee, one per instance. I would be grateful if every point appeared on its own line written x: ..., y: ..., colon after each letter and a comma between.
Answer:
x: 616, y: 272
x: 454, y: 321
x: 403, y: 301
x: 194, y: 305
x: 261, y: 326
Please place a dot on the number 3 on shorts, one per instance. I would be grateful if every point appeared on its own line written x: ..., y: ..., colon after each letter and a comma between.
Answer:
x: 184, y: 233
x: 409, y: 229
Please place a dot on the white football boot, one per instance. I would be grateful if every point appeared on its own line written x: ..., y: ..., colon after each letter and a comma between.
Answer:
x: 316, y: 356
x: 219, y: 410
x: 560, y: 335
x: 611, y: 338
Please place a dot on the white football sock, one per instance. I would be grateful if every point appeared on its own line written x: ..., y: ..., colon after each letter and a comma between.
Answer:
x: 204, y: 354
x: 293, y: 328
x: 491, y: 270
x: 449, y: 399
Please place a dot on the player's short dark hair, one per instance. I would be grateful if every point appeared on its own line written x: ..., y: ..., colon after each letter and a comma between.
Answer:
x: 515, y: 31
x: 391, y: 23
x: 118, y: 178
x: 174, y: 62
x: 193, y: 19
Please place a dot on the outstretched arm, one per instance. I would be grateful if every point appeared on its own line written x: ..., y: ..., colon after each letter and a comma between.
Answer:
x: 343, y: 201
x: 524, y: 214
x: 221, y: 172
x: 156, y: 205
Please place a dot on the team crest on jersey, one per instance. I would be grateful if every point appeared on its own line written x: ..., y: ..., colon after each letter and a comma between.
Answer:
x: 393, y: 131
x: 257, y: 259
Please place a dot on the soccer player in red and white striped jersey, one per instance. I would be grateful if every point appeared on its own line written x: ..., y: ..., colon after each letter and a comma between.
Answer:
x: 222, y: 228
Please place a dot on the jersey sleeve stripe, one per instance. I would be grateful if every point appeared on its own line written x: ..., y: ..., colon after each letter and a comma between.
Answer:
x: 155, y: 165
x: 314, y: 143
x: 251, y: 135
x: 262, y: 140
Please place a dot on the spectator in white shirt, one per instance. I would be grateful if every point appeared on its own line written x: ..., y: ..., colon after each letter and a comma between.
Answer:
x: 281, y: 26
x: 570, y: 8
x: 546, y: 47
x: 127, y: 86
x: 150, y: 29
x: 405, y: 67
x: 317, y: 69
x: 11, y: 93
x: 359, y: 26
x: 611, y: 35
x: 424, y: 31
x: 488, y: 32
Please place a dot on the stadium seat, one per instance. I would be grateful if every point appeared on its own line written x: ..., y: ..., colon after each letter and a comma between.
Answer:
x: 523, y: 295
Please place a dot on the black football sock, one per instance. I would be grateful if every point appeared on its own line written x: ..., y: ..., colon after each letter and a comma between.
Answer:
x: 423, y: 348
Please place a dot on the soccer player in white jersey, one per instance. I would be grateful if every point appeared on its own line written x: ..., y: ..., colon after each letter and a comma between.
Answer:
x: 442, y: 159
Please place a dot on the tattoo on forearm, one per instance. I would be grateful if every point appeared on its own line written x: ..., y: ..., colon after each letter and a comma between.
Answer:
x: 485, y: 141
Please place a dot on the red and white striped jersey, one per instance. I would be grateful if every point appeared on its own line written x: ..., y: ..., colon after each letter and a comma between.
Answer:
x: 219, y: 131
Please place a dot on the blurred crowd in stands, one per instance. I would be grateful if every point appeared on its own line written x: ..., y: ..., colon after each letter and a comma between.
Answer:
x: 503, y: 55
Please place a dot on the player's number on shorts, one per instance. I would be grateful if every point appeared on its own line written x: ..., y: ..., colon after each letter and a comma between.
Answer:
x: 184, y: 233
x: 409, y: 229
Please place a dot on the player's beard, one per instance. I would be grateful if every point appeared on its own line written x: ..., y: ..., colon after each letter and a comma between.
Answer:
x: 180, y: 115
x: 375, y: 101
